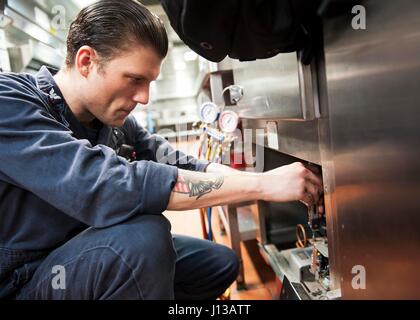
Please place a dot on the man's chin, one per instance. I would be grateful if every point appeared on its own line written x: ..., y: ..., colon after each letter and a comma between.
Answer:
x: 115, y: 123
x: 118, y: 122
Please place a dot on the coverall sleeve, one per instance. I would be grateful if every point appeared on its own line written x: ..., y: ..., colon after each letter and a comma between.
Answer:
x: 91, y: 184
x: 157, y: 148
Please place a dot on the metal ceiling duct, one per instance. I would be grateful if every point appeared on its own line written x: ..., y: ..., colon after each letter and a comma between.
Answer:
x: 32, y: 38
x: 30, y: 57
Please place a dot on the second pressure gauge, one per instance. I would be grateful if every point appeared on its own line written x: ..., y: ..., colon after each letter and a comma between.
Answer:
x: 209, y: 112
x: 228, y: 121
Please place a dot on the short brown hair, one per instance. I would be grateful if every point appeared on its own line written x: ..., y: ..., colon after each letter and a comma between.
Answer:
x: 109, y: 26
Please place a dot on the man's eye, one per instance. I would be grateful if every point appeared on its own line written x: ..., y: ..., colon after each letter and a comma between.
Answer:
x: 136, y: 80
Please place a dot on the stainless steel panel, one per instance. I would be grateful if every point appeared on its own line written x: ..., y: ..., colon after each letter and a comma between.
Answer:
x: 308, y: 83
x: 271, y: 87
x: 371, y: 165
x: 32, y: 56
x: 296, y: 138
x: 285, y: 92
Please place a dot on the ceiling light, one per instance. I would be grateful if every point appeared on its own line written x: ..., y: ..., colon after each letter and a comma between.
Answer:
x: 190, y: 56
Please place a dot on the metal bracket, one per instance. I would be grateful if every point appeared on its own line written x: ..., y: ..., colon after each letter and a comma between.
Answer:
x: 236, y: 93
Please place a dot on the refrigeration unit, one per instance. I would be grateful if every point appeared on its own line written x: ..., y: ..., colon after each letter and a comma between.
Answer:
x: 353, y: 113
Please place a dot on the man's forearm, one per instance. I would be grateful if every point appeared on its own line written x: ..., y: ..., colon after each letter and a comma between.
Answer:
x: 293, y: 182
x: 197, y: 190
x: 220, y: 168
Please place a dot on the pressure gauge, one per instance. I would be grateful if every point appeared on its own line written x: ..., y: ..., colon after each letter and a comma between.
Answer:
x: 209, y: 112
x: 228, y: 121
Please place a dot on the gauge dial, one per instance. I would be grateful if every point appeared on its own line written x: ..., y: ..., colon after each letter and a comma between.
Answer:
x: 228, y: 121
x: 209, y: 112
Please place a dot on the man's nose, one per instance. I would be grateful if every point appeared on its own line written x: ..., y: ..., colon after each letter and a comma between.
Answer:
x: 142, y: 96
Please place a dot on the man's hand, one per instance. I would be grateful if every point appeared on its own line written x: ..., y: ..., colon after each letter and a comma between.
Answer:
x: 293, y: 182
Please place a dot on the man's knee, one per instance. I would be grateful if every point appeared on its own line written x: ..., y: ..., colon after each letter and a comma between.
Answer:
x: 144, y: 242
x: 139, y: 254
x: 146, y: 236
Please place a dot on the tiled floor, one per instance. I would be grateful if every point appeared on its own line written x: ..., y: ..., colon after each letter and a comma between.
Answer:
x: 188, y: 223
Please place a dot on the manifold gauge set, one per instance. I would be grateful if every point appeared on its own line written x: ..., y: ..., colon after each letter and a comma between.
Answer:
x: 210, y: 113
x: 218, y: 133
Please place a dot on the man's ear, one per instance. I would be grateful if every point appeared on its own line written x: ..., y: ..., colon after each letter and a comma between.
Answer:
x: 85, y: 60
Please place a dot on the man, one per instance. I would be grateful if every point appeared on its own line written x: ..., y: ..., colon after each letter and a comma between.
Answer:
x: 70, y: 207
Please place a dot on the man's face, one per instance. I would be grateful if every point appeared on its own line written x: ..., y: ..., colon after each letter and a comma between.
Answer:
x: 113, y: 90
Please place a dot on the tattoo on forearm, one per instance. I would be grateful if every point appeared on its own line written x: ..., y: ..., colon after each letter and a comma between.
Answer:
x: 197, y: 188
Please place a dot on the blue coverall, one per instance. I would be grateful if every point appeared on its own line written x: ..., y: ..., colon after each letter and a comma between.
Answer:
x: 67, y: 199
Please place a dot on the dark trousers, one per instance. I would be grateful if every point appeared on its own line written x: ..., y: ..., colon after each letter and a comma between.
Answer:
x: 138, y: 259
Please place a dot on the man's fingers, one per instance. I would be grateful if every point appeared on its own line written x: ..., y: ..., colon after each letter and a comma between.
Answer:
x: 311, y: 195
x: 310, y: 199
x: 315, y: 179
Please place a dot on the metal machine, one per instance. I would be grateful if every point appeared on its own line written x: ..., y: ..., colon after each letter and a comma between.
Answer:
x: 354, y: 113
